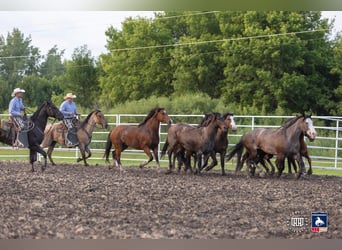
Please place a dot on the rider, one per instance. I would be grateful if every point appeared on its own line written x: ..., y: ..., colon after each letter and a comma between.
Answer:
x: 15, y: 107
x: 69, y: 110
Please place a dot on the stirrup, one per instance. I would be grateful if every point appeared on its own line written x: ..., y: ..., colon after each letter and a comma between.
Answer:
x: 68, y: 143
x: 18, y: 144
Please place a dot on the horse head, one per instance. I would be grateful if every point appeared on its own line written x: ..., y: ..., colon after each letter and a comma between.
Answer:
x: 52, y: 110
x: 162, y: 116
x: 310, y: 131
x: 229, y: 121
x: 216, y: 121
x: 100, y: 119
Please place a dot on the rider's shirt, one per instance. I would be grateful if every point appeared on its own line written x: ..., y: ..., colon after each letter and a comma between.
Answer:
x: 15, y: 106
x: 67, y: 107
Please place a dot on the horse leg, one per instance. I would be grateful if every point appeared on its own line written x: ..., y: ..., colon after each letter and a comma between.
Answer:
x: 214, y: 162
x: 280, y: 164
x: 222, y: 156
x: 150, y: 157
x: 272, y: 166
x: 301, y: 166
x: 83, y: 150
x: 49, y: 152
x: 155, y: 153
x: 171, y: 161
x: 33, y: 156
x: 309, y: 161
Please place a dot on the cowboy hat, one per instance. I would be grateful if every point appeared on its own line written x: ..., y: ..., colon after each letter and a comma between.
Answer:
x: 69, y: 95
x: 17, y: 90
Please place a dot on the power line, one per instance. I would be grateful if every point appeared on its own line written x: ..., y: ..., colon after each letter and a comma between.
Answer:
x: 216, y: 41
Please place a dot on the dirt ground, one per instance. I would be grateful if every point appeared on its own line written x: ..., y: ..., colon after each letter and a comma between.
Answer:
x: 71, y: 201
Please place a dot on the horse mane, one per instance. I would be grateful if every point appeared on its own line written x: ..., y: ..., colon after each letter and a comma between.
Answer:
x: 226, y: 114
x: 86, y: 120
x: 35, y: 114
x: 289, y: 122
x: 208, y: 117
x: 150, y: 115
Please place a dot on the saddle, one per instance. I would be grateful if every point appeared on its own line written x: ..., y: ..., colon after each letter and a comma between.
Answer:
x: 9, y: 127
x: 69, y: 135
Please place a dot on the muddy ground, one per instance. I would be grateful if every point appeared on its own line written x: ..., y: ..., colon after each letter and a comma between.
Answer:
x: 71, y: 201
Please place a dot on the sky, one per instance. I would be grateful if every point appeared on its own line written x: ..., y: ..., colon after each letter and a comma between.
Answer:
x: 71, y: 29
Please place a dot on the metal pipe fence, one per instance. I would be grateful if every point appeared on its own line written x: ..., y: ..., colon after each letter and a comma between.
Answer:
x: 325, y: 151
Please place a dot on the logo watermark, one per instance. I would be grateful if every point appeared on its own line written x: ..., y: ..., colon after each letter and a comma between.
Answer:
x: 298, y: 222
x: 319, y: 222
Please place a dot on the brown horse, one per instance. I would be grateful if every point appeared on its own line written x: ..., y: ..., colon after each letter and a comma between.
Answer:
x: 282, y: 142
x: 221, y: 143
x: 263, y: 157
x: 194, y: 140
x: 56, y: 134
x: 144, y: 136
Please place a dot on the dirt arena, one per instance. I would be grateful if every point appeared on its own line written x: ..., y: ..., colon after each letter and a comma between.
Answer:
x: 77, y: 202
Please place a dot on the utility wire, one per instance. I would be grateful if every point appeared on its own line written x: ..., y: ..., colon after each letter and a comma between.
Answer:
x: 216, y: 41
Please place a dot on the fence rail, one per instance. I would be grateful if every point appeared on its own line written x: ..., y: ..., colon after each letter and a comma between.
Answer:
x: 325, y: 151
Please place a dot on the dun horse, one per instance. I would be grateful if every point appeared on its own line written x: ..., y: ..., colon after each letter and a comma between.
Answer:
x: 55, y: 133
x: 194, y: 140
x: 144, y: 136
x: 282, y: 142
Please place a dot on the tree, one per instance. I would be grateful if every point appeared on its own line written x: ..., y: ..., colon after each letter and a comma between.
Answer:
x: 81, y: 77
x: 276, y: 60
x: 18, y: 58
x: 131, y: 71
x: 53, y: 65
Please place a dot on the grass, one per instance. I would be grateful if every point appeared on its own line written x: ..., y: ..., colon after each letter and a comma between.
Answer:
x: 65, y: 155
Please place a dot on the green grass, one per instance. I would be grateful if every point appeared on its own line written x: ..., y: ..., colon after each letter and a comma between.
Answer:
x: 69, y: 156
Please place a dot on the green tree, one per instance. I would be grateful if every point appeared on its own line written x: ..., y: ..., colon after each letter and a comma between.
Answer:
x: 277, y: 60
x: 131, y: 71
x: 52, y: 66
x: 81, y: 77
x: 37, y: 90
x: 18, y: 58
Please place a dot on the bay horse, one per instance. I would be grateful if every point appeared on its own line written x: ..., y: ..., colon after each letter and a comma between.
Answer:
x: 54, y: 133
x: 282, y: 142
x: 198, y: 140
x: 36, y: 134
x: 144, y: 136
x: 221, y: 143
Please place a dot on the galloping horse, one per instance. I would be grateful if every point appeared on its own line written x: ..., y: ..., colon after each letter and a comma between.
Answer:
x: 54, y: 133
x: 194, y: 140
x: 282, y: 142
x: 144, y: 136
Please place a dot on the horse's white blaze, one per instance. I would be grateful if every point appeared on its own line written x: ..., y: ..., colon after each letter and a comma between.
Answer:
x: 232, y: 122
x: 311, y: 131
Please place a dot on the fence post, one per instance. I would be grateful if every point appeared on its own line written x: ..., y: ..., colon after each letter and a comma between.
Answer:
x: 253, y: 122
x: 336, y: 142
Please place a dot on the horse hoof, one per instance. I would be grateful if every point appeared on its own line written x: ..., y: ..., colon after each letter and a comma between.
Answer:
x: 168, y: 172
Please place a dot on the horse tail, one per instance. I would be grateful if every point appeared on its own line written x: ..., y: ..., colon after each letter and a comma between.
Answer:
x: 163, y: 152
x: 238, y: 148
x: 108, y: 147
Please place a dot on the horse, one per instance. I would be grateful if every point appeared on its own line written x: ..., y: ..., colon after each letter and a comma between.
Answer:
x: 221, y: 143
x: 194, y: 140
x: 5, y: 137
x: 282, y: 142
x: 36, y: 134
x: 54, y: 133
x: 144, y: 136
